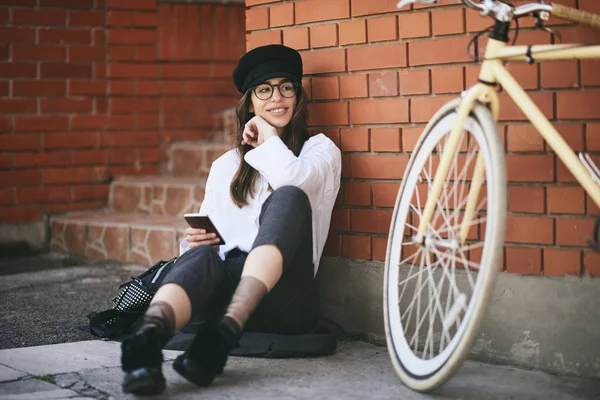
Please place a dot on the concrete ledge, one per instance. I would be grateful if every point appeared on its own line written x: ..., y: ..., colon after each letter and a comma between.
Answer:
x: 33, y: 233
x: 550, y: 324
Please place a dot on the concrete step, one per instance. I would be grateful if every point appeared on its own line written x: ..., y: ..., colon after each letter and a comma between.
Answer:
x: 110, y: 235
x: 158, y: 195
x: 194, y: 158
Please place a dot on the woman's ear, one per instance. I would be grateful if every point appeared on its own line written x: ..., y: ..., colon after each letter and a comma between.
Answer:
x: 251, y: 108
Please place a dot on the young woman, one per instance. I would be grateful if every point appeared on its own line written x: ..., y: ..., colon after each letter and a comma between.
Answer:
x: 271, y: 199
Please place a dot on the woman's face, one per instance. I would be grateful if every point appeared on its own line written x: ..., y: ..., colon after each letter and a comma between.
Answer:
x: 277, y: 109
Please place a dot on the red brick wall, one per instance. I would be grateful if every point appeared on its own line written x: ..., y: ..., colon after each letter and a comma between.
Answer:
x: 91, y: 89
x: 377, y: 75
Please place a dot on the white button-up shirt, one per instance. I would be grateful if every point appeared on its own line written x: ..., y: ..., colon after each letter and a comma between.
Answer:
x: 316, y: 171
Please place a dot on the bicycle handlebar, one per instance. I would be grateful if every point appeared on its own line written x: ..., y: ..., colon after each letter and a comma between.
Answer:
x: 575, y: 15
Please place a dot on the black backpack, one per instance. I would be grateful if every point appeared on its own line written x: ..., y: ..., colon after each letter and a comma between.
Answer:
x: 130, y: 304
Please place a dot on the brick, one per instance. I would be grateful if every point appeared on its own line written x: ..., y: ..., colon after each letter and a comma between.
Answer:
x: 90, y: 192
x: 530, y: 168
x: 524, y: 138
x: 54, y: 105
x: 353, y: 86
x: 324, y: 61
x: 475, y: 22
x: 98, y: 36
x: 89, y: 122
x: 132, y: 36
x: 354, y: 246
x: 19, y: 178
x: 281, y: 15
x: 257, y: 39
x: 333, y: 246
x: 121, y: 53
x: 51, y: 176
x: 145, y: 19
x: 510, y: 111
x: 257, y: 18
x: 383, y: 84
x: 4, y: 88
x: 385, y: 139
x: 15, y: 214
x: 323, y: 36
x: 25, y: 16
x: 353, y: 32
x: 132, y: 4
x: 5, y: 124
x: 370, y: 7
x: 94, y: 53
x: 4, y: 52
x: 438, y: 51
x: 6, y: 197
x: 130, y: 70
x: 414, y: 82
x: 41, y: 123
x: 589, y: 72
x: 378, y: 111
x: 325, y: 88
x: 423, y: 108
x: 41, y: 159
x: 374, y: 57
x: 561, y: 262
x: 357, y: 193
x: 592, y: 136
x: 120, y: 18
x: 18, y: 106
x: 72, y: 140
x: 373, y: 221
x: 414, y: 25
x: 522, y: 229
x: 86, y: 18
x: 385, y: 194
x: 565, y: 200
x: 4, y: 15
x: 65, y: 70
x: 384, y: 28
x: 572, y: 133
x: 127, y: 105
x: 64, y: 35
x: 340, y: 219
x: 89, y: 157
x: 447, y: 80
x: 318, y: 10
x: 328, y: 113
x: 17, y: 70
x: 577, y: 105
x: 378, y: 166
x: 355, y: 139
x: 525, y: 261
x: 559, y: 74
x: 66, y: 3
x: 17, y: 34
x: 14, y: 142
x: 573, y: 231
x: 448, y: 22
x: 87, y: 88
x: 591, y: 262
x: 25, y: 52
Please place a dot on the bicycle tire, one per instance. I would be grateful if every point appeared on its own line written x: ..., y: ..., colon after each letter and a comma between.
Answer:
x: 426, y: 375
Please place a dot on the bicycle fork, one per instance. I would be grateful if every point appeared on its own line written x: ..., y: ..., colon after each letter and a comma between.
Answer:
x: 483, y: 94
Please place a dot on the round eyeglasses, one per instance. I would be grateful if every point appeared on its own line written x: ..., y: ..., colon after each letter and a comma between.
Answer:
x: 287, y: 89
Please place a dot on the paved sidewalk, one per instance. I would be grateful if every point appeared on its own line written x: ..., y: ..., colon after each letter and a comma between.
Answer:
x: 90, y: 370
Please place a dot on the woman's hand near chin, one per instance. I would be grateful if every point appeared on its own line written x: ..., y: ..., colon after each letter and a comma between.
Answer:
x: 256, y: 131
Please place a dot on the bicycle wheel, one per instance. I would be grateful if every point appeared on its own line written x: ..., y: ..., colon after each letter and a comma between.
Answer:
x: 436, y: 293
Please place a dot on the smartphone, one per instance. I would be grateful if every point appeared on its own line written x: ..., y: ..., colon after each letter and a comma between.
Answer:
x: 203, y: 222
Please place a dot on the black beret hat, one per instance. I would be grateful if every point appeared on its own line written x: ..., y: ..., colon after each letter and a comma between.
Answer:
x: 266, y: 62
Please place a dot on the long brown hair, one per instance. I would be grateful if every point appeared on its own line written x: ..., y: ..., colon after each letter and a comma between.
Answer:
x: 294, y: 135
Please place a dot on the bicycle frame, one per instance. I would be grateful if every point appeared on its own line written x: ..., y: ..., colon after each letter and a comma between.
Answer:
x: 492, y: 72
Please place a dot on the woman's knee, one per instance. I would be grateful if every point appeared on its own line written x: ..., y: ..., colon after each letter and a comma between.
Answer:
x: 291, y: 197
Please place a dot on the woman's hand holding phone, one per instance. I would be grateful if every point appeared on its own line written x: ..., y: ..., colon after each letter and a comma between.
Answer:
x: 198, y: 237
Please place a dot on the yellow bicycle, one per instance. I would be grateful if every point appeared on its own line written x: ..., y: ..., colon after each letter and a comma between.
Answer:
x: 447, y: 230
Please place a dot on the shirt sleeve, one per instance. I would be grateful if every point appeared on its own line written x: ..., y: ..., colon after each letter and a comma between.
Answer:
x: 207, y: 206
x: 319, y: 160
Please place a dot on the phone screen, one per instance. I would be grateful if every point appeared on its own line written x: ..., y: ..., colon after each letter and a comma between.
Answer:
x: 203, y: 222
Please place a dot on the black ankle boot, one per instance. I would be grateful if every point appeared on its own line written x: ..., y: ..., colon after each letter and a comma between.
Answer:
x: 207, y: 355
x: 141, y: 360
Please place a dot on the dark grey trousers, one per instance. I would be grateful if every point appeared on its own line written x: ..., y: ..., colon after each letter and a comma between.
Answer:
x: 291, y: 307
